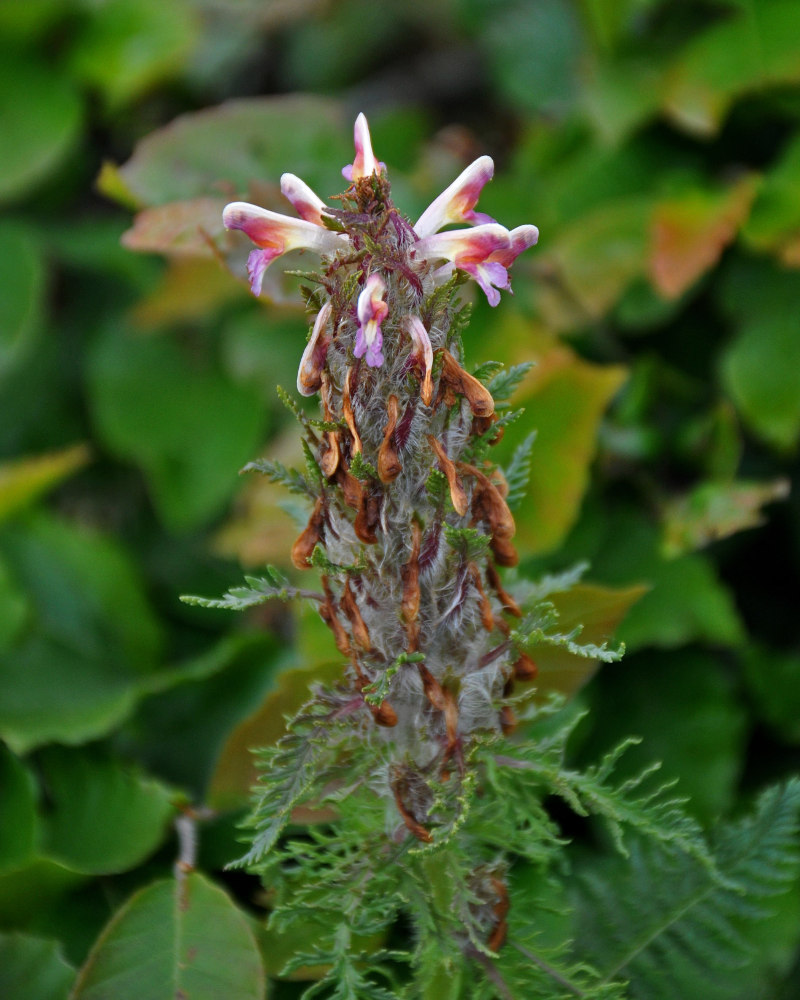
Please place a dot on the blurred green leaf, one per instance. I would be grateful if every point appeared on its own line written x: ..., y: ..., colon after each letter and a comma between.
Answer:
x: 761, y: 367
x: 534, y: 50
x: 19, y: 829
x: 22, y: 277
x: 773, y: 681
x: 224, y: 150
x: 78, y: 669
x: 28, y: 892
x: 754, y: 47
x: 712, y: 511
x: 28, y: 21
x: 32, y: 968
x: 26, y: 479
x: 40, y: 121
x: 102, y: 816
x: 174, y: 938
x: 235, y: 771
x: 774, y: 223
x: 189, y: 427
x: 685, y: 708
x: 14, y: 607
x: 686, y: 601
x: 125, y: 47
x: 183, y: 228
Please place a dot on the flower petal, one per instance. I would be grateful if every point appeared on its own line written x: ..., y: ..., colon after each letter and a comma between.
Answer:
x: 309, y: 374
x: 456, y: 202
x: 306, y: 203
x: 365, y: 164
x: 422, y: 345
x: 521, y: 238
x: 465, y: 245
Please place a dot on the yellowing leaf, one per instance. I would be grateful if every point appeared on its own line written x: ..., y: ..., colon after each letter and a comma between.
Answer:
x: 191, y: 288
x: 689, y: 233
x: 564, y: 406
x: 23, y: 481
x: 715, y: 510
x: 599, y: 610
x: 235, y: 772
x: 599, y: 254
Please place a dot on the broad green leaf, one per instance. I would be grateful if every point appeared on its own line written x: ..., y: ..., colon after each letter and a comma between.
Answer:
x: 599, y: 255
x: 19, y: 828
x: 24, y: 480
x: 29, y: 20
x: 598, y: 611
x: 621, y: 94
x: 80, y: 667
x: 181, y: 938
x: 235, y: 772
x: 511, y: 30
x: 242, y: 142
x: 754, y: 48
x: 684, y: 707
x: 688, y: 234
x: 715, y: 510
x: 774, y: 223
x: 22, y: 277
x: 772, y: 677
x: 14, y: 607
x: 128, y: 46
x: 40, y: 120
x: 761, y: 367
x: 180, y: 730
x: 189, y: 427
x: 103, y: 817
x: 685, y: 602
x: 29, y: 892
x: 564, y: 406
x: 33, y: 968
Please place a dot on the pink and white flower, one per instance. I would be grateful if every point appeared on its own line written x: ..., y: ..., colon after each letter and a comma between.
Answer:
x: 484, y: 252
x: 422, y: 347
x: 372, y: 311
x: 276, y: 234
x: 309, y: 374
x: 457, y: 202
x: 365, y: 164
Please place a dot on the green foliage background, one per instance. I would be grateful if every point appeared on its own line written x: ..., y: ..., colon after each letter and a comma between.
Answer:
x: 656, y: 145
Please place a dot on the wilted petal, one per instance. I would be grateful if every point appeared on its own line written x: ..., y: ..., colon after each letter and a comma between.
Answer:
x: 422, y: 345
x: 365, y: 163
x: 305, y: 202
x: 309, y: 375
x: 276, y: 234
x: 456, y: 203
x: 372, y: 311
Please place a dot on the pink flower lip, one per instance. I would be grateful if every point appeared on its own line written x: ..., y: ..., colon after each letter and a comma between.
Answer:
x: 372, y: 311
x: 365, y: 164
x: 457, y: 202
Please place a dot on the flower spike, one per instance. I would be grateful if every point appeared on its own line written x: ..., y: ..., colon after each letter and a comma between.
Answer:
x: 372, y: 311
x: 365, y: 164
x: 456, y: 203
x: 276, y: 234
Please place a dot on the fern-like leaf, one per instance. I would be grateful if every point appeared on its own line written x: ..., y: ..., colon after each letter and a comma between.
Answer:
x: 518, y: 472
x: 672, y: 927
x: 258, y: 590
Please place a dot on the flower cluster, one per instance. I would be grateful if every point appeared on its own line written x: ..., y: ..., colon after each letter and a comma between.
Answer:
x: 485, y: 252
